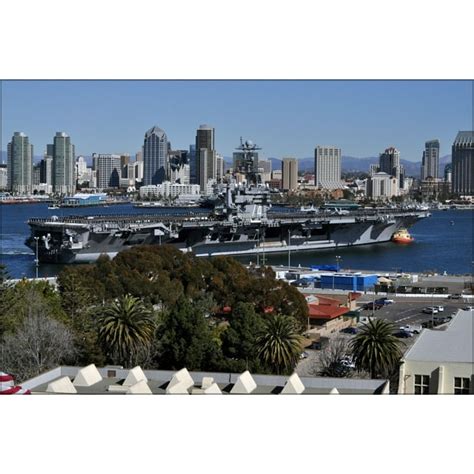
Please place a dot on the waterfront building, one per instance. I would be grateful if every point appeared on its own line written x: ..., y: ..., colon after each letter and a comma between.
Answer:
x: 433, y: 189
x: 108, y: 168
x: 441, y: 362
x: 265, y: 170
x: 170, y: 190
x: 63, y: 170
x: 430, y: 160
x: 463, y: 164
x: 327, y: 167
x: 3, y: 176
x: 206, y: 166
x: 178, y: 167
x: 382, y: 186
x: 20, y: 164
x: 289, y: 172
x: 81, y: 166
x: 47, y: 170
x: 36, y: 176
x: 389, y: 162
x: 448, y: 173
x: 219, y: 168
x: 155, y: 154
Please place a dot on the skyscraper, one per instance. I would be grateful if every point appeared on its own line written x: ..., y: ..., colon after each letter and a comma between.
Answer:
x: 108, y: 170
x: 430, y: 160
x: 448, y: 170
x: 289, y: 168
x: 463, y: 164
x: 327, y: 167
x: 389, y: 162
x: 155, y: 153
x: 206, y: 166
x: 64, y: 169
x: 20, y: 164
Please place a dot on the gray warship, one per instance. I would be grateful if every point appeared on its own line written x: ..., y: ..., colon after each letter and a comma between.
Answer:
x: 242, y: 222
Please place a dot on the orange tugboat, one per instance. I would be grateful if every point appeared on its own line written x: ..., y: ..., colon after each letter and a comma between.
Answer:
x: 402, y: 237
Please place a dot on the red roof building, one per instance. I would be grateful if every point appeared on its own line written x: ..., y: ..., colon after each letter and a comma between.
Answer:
x: 323, y: 308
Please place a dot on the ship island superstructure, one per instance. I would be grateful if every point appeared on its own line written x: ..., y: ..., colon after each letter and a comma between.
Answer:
x: 241, y: 223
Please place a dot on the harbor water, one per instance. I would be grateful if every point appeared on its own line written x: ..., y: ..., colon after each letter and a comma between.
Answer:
x: 443, y: 243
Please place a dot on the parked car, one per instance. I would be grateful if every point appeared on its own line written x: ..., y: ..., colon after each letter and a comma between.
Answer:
x: 430, y: 310
x: 383, y: 301
x: 413, y: 328
x: 374, y: 306
x: 440, y: 308
x: 441, y: 319
x: 455, y: 296
x: 347, y: 362
x: 403, y: 334
x: 304, y: 355
x: 350, y: 330
x: 468, y: 308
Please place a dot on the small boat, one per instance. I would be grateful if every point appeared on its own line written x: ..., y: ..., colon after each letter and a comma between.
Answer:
x: 452, y: 222
x: 53, y: 207
x: 402, y: 237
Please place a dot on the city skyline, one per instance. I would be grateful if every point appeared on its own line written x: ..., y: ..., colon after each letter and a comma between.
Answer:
x: 286, y: 118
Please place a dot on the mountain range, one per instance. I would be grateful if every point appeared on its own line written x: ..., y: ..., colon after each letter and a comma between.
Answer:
x: 349, y: 163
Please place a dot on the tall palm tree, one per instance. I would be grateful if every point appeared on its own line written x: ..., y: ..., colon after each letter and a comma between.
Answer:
x: 126, y: 327
x: 279, y: 344
x: 375, y: 348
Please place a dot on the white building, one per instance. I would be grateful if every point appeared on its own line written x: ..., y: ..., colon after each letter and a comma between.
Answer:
x: 170, y: 190
x: 441, y: 361
x: 327, y: 167
x: 382, y: 186
x: 3, y: 176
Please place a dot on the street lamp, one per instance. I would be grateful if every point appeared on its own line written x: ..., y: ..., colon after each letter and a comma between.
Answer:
x: 36, y: 259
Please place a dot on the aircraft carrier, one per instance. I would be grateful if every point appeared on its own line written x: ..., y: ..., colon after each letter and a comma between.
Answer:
x: 241, y: 223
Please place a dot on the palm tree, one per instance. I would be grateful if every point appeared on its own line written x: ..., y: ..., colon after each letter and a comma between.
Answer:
x: 375, y: 348
x: 126, y: 327
x: 279, y: 344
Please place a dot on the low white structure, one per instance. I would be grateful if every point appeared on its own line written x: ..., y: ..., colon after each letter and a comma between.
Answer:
x: 87, y: 376
x: 181, y: 382
x: 62, y: 385
x: 382, y: 186
x: 245, y: 384
x: 441, y: 361
x: 134, y: 376
x: 293, y: 386
x: 170, y: 190
x: 139, y: 388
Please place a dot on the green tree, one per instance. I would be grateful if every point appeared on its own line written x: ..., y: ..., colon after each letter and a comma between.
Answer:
x: 240, y: 337
x: 185, y: 338
x: 126, y: 328
x: 375, y: 349
x: 279, y: 345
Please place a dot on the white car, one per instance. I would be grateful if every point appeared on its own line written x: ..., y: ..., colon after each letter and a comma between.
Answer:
x: 440, y: 308
x: 430, y: 310
x: 414, y: 329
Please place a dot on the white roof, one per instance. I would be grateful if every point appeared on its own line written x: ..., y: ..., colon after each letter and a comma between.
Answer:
x: 453, y: 345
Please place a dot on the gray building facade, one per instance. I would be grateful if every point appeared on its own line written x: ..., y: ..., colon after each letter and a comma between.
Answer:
x: 108, y: 169
x: 463, y: 163
x: 327, y: 167
x: 206, y: 166
x: 20, y: 164
x: 64, y: 164
x: 155, y: 155
x: 430, y: 160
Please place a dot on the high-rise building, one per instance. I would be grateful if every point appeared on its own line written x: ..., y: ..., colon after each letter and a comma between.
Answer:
x: 124, y: 162
x: 36, y: 176
x: 3, y: 176
x: 81, y: 166
x: 108, y: 170
x: 20, y: 164
x: 178, y: 167
x: 64, y: 169
x: 389, y: 162
x: 327, y: 167
x: 463, y: 164
x: 219, y: 168
x: 46, y: 165
x: 192, y: 158
x: 265, y: 170
x: 155, y: 154
x: 430, y: 160
x: 448, y: 169
x: 382, y: 186
x: 289, y: 171
x: 206, y: 166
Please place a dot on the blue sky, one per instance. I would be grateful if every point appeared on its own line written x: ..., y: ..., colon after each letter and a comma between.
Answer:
x: 286, y: 118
